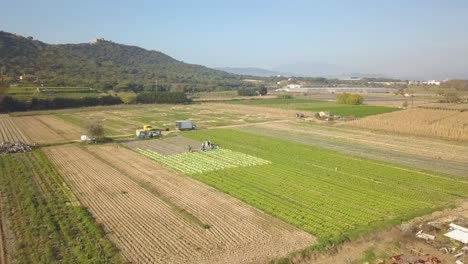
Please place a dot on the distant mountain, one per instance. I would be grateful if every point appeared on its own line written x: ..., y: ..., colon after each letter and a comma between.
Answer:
x: 313, y: 69
x: 103, y: 63
x: 252, y: 71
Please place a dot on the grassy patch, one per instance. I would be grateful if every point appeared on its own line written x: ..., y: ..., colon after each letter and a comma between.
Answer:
x: 316, y: 106
x: 48, y: 227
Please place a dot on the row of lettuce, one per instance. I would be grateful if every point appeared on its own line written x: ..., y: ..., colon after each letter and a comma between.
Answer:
x: 11, y: 104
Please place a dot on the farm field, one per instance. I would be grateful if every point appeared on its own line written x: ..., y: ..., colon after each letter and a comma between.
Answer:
x: 316, y: 106
x: 323, y: 192
x: 9, y: 132
x: 423, y: 153
x: 451, y: 125
x: 124, y: 120
x: 154, y: 215
x: 40, y: 220
x: 45, y: 129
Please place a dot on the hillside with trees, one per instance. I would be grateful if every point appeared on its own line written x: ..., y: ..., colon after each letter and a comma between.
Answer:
x: 106, y: 65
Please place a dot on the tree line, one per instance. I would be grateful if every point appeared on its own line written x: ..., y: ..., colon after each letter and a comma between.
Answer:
x: 11, y: 104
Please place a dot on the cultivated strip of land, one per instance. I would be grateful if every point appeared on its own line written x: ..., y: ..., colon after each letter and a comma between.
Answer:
x: 156, y: 216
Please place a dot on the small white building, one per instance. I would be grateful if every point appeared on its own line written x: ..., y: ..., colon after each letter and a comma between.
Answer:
x: 458, y: 233
x: 432, y: 82
x: 293, y: 86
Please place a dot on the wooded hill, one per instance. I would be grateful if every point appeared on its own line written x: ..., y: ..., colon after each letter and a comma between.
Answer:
x: 106, y: 65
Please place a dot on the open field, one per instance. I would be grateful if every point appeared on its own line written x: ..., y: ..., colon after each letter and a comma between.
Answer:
x: 316, y: 106
x: 40, y: 222
x: 423, y: 153
x: 323, y: 192
x: 124, y: 120
x: 9, y: 132
x: 44, y: 129
x: 156, y: 216
x: 452, y: 125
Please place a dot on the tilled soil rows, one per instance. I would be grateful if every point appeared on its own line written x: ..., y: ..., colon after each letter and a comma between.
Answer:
x: 9, y: 132
x: 47, y: 129
x: 156, y: 216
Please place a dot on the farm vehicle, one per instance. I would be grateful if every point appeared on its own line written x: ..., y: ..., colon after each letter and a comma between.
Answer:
x: 148, y: 132
x: 185, y: 125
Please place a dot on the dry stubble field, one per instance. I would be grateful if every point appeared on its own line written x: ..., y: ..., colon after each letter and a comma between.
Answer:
x: 452, y: 125
x: 156, y: 216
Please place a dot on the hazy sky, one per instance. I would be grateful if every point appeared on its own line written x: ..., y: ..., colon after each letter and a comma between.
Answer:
x: 393, y: 37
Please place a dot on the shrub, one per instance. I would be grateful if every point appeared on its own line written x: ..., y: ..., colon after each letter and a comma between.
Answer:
x: 350, y: 99
x: 285, y: 96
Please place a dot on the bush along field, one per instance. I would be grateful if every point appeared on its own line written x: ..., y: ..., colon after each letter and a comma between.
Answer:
x: 330, y: 195
x: 47, y: 224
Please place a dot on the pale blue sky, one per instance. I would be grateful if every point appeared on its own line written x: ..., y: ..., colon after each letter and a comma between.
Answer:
x: 398, y: 38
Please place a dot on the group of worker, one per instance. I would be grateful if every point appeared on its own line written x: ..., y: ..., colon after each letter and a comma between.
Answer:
x: 207, y: 145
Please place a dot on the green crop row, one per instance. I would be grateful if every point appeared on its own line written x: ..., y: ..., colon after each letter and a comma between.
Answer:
x: 324, y: 192
x: 200, y: 162
x: 48, y: 226
x: 316, y: 106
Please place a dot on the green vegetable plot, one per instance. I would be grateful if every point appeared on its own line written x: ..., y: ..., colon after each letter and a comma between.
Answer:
x: 323, y: 192
x: 48, y: 228
x: 199, y: 162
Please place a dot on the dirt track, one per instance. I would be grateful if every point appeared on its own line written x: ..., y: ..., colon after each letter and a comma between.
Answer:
x: 156, y: 216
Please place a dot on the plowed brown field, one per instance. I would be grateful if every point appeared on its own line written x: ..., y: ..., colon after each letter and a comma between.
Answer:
x: 47, y: 129
x: 9, y: 132
x: 156, y: 216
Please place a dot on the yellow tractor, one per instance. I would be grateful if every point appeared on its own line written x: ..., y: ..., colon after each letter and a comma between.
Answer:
x: 148, y: 132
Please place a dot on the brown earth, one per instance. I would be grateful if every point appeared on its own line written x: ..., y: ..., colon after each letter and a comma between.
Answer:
x: 9, y: 132
x: 156, y: 216
x: 47, y: 129
x: 166, y: 146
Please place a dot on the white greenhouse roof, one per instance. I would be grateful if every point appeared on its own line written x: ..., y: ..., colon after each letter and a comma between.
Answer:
x: 458, y: 235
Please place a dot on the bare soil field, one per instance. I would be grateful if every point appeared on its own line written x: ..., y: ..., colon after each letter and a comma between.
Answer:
x: 166, y: 146
x: 446, y: 124
x: 429, y: 154
x: 9, y: 132
x: 47, y: 129
x: 157, y: 216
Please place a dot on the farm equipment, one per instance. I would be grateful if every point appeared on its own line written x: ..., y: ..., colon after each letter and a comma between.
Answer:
x: 87, y: 140
x: 185, y: 125
x: 148, y: 132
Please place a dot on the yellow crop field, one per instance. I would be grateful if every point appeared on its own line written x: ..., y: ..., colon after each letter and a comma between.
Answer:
x: 452, y: 125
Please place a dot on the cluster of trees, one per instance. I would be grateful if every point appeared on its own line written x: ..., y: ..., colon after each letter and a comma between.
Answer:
x: 162, y: 98
x: 10, y: 104
x: 350, y: 99
x: 261, y: 90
